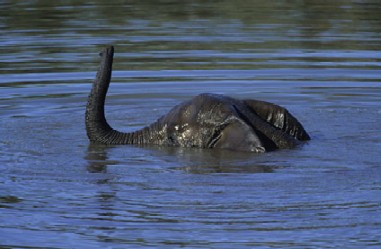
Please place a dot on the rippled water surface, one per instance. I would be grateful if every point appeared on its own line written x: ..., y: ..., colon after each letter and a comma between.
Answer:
x: 320, y: 59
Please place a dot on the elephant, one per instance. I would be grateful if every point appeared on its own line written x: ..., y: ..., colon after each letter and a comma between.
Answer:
x: 207, y: 121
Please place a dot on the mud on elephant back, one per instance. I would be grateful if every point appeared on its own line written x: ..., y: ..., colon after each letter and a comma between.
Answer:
x: 206, y: 121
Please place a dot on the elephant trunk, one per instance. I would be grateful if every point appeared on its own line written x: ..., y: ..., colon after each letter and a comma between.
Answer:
x: 97, y: 128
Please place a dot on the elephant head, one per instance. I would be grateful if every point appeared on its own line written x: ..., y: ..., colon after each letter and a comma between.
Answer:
x: 206, y: 121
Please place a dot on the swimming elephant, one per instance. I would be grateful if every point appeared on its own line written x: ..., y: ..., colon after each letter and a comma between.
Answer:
x: 206, y: 121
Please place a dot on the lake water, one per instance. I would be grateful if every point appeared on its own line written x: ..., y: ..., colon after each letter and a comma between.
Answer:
x: 319, y: 59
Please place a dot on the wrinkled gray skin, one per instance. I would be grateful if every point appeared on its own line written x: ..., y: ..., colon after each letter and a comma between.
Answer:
x: 206, y: 121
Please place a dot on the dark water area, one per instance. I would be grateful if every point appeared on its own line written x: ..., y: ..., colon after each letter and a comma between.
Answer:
x: 319, y: 59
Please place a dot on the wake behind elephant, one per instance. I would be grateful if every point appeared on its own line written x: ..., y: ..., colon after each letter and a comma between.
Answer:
x: 206, y: 121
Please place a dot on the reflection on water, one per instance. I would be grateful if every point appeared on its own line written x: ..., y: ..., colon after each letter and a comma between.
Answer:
x: 320, y: 59
x: 195, y: 161
x: 190, y: 35
x: 97, y: 159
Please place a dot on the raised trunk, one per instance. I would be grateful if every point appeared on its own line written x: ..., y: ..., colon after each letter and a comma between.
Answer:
x: 97, y: 128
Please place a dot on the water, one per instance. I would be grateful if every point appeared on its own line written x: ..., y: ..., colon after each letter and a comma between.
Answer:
x: 319, y: 59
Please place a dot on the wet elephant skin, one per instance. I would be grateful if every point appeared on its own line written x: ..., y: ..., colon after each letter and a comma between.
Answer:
x: 205, y: 121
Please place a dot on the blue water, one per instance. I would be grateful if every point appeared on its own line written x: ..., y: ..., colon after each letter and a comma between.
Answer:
x: 321, y: 60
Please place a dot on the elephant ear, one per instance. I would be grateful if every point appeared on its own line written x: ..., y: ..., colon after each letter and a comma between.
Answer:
x: 279, y: 117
